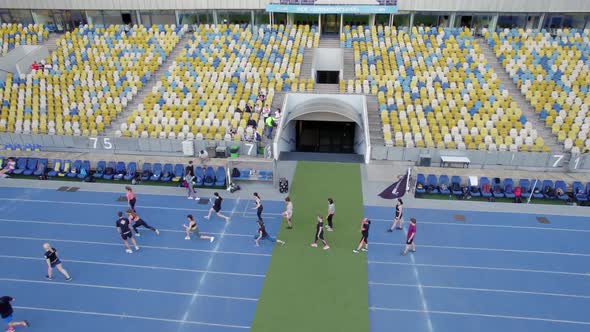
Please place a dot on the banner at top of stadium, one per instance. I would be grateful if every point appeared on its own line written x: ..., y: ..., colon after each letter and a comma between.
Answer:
x: 331, y: 9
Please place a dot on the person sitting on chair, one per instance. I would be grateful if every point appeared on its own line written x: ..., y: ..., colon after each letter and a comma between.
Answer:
x: 203, y: 156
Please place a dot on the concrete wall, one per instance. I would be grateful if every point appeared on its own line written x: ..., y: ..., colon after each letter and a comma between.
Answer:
x: 19, y: 60
x: 495, y: 6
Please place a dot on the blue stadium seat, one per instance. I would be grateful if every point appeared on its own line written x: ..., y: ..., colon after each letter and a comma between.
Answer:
x: 432, y: 182
x: 199, y: 176
x: 420, y: 179
x: 110, y: 170
x: 75, y: 169
x: 131, y: 171
x: 456, y: 185
x: 120, y: 171
x: 509, y: 188
x: 167, y: 173
x: 561, y: 185
x: 100, y: 168
x: 56, y: 169
x: 220, y: 177
x: 538, y: 187
x: 178, y: 173
x: 66, y: 168
x: 157, y: 172
x: 548, y: 189
x: 485, y: 187
x: 525, y: 186
x: 444, y: 181
x: 21, y: 166
x: 146, y: 171
x: 31, y: 166
x: 209, y: 179
x: 41, y: 167
x: 579, y: 193
x: 84, y: 169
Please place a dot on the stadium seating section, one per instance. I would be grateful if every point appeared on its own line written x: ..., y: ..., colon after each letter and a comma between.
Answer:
x: 435, y: 89
x: 222, y: 69
x: 12, y: 35
x: 553, y: 74
x: 95, y: 72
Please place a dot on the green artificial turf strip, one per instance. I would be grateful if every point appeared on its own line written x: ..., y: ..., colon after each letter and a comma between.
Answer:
x: 310, y: 289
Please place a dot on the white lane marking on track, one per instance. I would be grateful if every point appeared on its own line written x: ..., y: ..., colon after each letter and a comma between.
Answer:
x: 481, y: 268
x: 554, y: 229
x: 488, y: 290
x: 148, y: 267
x: 489, y: 249
x: 144, y: 246
x: 106, y: 226
x: 75, y: 284
x: 454, y: 313
x: 104, y: 314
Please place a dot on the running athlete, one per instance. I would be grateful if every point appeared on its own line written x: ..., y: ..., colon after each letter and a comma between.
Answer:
x: 331, y: 211
x: 410, y: 237
x: 399, y: 207
x: 319, y: 234
x: 6, y: 312
x: 131, y: 198
x: 53, y: 262
x: 137, y: 222
x: 288, y: 212
x: 217, y: 207
x: 365, y: 225
x: 123, y: 228
x: 258, y: 206
x: 263, y: 235
x: 193, y: 227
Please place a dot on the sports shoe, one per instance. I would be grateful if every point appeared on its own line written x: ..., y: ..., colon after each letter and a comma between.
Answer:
x: 329, y: 229
x: 187, y: 237
x: 69, y: 279
x: 289, y: 227
x: 403, y: 253
x: 206, y: 217
x: 157, y: 232
x: 190, y: 197
x: 27, y: 324
x: 326, y: 247
x: 48, y: 278
x: 197, y: 199
x: 212, y: 239
x: 136, y: 248
x: 10, y: 329
x: 137, y: 234
x: 315, y: 245
x: 355, y: 251
x: 390, y: 230
x: 281, y: 242
x: 128, y: 251
x: 364, y: 249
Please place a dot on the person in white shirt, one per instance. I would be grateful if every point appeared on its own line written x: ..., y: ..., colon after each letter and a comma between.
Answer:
x: 288, y: 212
x: 331, y: 211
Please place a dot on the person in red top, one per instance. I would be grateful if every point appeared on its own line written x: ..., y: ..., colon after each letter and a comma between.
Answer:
x: 410, y: 238
x: 518, y: 194
x: 130, y: 198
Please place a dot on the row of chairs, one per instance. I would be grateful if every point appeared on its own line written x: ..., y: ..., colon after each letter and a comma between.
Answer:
x: 506, y: 188
x: 112, y: 170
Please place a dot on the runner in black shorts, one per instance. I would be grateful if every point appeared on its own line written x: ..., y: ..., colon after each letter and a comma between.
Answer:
x: 319, y: 234
x: 399, y: 213
x: 124, y: 229
x: 216, y: 207
x: 53, y: 262
x: 137, y: 222
x: 365, y: 225
x: 258, y: 206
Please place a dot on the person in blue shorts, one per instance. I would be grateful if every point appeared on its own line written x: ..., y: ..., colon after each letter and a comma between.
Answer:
x: 263, y: 235
x: 6, y: 312
x: 53, y: 262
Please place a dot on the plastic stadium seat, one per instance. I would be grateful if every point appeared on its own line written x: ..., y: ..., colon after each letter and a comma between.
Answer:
x: 525, y: 186
x: 146, y: 171
x: 100, y: 169
x: 456, y: 185
x: 539, y: 188
x: 21, y: 166
x: 422, y: 180
x: 178, y: 172
x: 41, y: 167
x: 84, y: 169
x: 131, y: 171
x: 548, y: 189
x: 31, y: 166
x: 432, y: 182
x: 561, y: 185
x: 509, y: 188
x: 220, y: 177
x: 157, y: 172
x: 485, y: 187
x: 167, y: 173
x: 209, y: 179
x: 56, y: 169
x: 110, y: 170
x: 199, y: 176
x: 120, y: 171
x: 75, y: 169
x: 443, y: 180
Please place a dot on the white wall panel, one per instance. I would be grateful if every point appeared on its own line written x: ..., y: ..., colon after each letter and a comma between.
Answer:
x: 525, y: 6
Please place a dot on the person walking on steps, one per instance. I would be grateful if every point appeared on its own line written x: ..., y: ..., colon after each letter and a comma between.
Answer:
x: 270, y: 123
x: 192, y: 227
x: 131, y: 200
x: 217, y: 207
x: 138, y: 222
x: 319, y: 234
x: 288, y: 214
x: 258, y: 207
x: 410, y: 237
x: 53, y: 262
x: 331, y: 211
x: 399, y: 209
x: 262, y: 234
x: 365, y: 225
x: 6, y: 312
x: 124, y: 230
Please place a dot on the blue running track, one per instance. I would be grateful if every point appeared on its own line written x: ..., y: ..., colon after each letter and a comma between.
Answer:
x: 171, y: 284
x: 492, y: 272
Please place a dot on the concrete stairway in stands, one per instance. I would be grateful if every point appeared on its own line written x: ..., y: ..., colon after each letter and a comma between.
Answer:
x: 307, y: 64
x: 374, y: 116
x: 523, y: 104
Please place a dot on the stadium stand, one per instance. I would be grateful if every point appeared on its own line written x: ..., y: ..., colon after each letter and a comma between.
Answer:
x: 552, y: 73
x: 223, y: 72
x: 14, y: 34
x: 87, y: 81
x: 435, y: 89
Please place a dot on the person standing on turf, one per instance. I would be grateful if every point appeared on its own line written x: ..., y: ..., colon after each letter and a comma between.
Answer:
x: 124, y: 229
x: 410, y: 237
x: 131, y: 198
x: 331, y: 211
x: 53, y: 262
x: 258, y: 207
x: 263, y: 235
x: 138, y: 222
x: 399, y: 207
x: 193, y: 227
x: 365, y: 225
x: 288, y: 212
x: 6, y: 312
x: 217, y: 207
x: 319, y: 234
